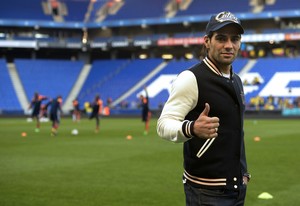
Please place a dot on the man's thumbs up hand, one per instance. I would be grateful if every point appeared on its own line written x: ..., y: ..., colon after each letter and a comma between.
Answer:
x: 206, y: 110
x: 205, y: 126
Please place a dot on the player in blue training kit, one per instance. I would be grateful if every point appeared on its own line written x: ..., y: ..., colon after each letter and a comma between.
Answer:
x: 146, y: 114
x: 35, y: 105
x: 55, y: 112
x: 97, y: 107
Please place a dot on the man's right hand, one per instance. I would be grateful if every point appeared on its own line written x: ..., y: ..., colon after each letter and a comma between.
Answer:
x: 205, y: 126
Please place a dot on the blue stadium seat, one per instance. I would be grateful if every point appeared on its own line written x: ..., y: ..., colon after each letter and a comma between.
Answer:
x: 9, y: 100
x: 48, y: 77
x: 101, y: 73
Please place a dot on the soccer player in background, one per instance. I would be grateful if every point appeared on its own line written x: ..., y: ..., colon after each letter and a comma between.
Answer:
x: 76, y: 111
x: 35, y: 105
x: 55, y: 113
x: 146, y: 114
x: 97, y: 107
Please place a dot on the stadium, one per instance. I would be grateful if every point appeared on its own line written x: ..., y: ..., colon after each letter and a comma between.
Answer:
x: 81, y: 48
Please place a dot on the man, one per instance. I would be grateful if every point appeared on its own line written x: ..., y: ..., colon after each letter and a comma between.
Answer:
x: 35, y: 104
x: 97, y: 107
x: 76, y: 111
x: 145, y: 110
x: 205, y: 110
x: 55, y: 112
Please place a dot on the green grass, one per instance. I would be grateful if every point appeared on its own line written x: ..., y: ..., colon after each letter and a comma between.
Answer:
x: 107, y: 169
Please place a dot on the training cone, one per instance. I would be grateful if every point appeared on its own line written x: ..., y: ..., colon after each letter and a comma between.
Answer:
x: 128, y: 137
x: 265, y: 196
x: 256, y: 139
x: 23, y: 134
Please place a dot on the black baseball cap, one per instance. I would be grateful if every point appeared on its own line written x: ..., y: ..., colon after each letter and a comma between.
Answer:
x: 222, y: 19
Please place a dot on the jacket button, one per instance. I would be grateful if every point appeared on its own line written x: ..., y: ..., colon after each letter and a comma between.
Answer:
x: 235, y: 179
x: 235, y: 186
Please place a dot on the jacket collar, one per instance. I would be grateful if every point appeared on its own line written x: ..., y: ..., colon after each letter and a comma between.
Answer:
x: 214, y: 68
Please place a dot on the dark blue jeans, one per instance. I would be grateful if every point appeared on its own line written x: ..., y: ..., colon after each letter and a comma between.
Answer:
x: 208, y: 197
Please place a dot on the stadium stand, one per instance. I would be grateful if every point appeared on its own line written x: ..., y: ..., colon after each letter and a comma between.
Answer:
x: 282, y: 5
x: 9, y: 101
x: 163, y: 80
x: 266, y: 69
x: 101, y: 73
x: 206, y: 7
x: 114, y: 44
x: 76, y: 10
x: 136, y: 9
x: 23, y: 10
x: 48, y: 77
x: 111, y: 79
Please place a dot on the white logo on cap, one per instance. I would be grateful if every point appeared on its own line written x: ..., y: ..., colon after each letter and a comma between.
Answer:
x: 226, y: 16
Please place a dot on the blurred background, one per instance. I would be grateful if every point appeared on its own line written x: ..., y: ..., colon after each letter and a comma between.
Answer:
x: 80, y: 48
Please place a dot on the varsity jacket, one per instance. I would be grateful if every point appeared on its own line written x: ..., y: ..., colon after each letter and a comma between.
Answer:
x: 208, y: 163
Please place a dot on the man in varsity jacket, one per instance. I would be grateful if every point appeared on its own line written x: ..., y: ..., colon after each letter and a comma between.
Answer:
x: 205, y: 111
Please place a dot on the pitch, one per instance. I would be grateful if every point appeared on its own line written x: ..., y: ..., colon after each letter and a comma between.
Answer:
x: 110, y: 169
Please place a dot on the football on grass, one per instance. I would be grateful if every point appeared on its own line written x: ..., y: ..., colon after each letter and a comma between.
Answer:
x: 74, y: 132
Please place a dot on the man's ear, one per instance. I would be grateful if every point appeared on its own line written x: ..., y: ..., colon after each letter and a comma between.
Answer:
x: 206, y: 41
